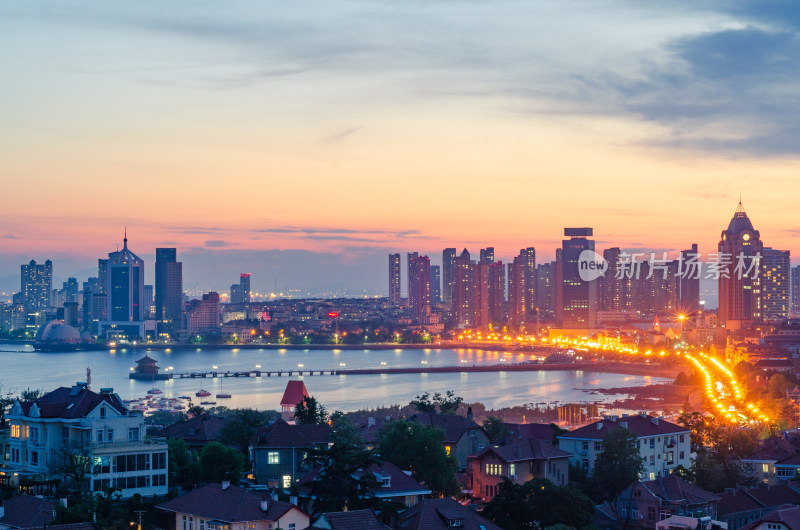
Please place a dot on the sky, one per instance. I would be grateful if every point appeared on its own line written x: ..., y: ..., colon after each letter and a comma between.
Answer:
x: 303, y: 141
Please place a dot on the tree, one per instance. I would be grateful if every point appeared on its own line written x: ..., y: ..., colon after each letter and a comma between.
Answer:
x: 423, y: 403
x: 309, y: 412
x: 219, y: 463
x: 184, y: 466
x: 618, y: 465
x: 241, y: 427
x: 449, y: 403
x: 30, y: 394
x: 538, y: 504
x: 496, y: 428
x: 73, y: 462
x: 343, y: 430
x: 418, y: 448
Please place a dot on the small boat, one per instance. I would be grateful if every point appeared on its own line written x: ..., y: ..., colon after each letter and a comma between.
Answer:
x: 223, y: 396
x: 185, y: 397
x: 154, y: 391
x: 208, y: 402
x: 203, y: 393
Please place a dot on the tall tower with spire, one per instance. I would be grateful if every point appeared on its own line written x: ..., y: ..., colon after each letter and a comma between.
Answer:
x: 740, y: 279
x: 125, y: 285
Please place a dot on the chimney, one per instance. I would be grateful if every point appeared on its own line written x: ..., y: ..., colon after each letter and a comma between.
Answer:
x: 371, y: 422
x: 599, y: 425
x: 654, y: 419
x: 265, y: 505
x: 274, y: 496
x: 623, y: 424
x: 469, y: 413
x: 293, y: 500
x: 225, y: 485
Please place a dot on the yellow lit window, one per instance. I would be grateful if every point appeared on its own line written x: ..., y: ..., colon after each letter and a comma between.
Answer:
x: 447, y: 449
x: 15, y: 431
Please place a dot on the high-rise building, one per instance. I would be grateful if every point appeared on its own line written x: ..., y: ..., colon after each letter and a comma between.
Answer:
x: 149, y: 302
x: 70, y: 289
x: 448, y: 274
x: 125, y: 286
x: 578, y: 298
x: 739, y: 282
x: 236, y: 294
x: 545, y: 290
x: 436, y: 285
x: 529, y: 262
x: 497, y: 292
x: 487, y: 255
x: 775, y: 284
x: 689, y: 283
x: 611, y: 287
x: 244, y: 283
x: 796, y: 291
x: 482, y: 294
x: 36, y: 282
x: 202, y: 316
x: 169, y: 290
x: 517, y: 292
x: 394, y: 280
x: 419, y: 286
x: 464, y: 291
x: 102, y: 274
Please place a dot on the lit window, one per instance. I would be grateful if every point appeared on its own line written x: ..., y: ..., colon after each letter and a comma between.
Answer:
x: 287, y: 481
x: 273, y: 457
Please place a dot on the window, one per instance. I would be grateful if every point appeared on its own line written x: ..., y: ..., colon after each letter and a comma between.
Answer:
x: 598, y: 446
x: 585, y: 464
x: 15, y: 455
x: 494, y: 469
x: 133, y: 434
x: 15, y: 431
x: 765, y: 468
x: 287, y: 481
x: 681, y: 438
x: 447, y: 450
x: 680, y: 455
x: 100, y: 436
x: 159, y: 460
x: 273, y: 457
x: 202, y: 524
x: 159, y: 480
x: 512, y: 469
x: 35, y: 435
x: 663, y: 514
x: 291, y: 526
x: 102, y: 413
x: 652, y: 459
x: 34, y: 458
x: 652, y: 443
x: 670, y: 457
x: 111, y: 436
x: 585, y: 445
x: 651, y: 513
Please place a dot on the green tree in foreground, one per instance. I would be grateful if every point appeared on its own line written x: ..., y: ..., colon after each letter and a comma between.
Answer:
x: 241, y: 427
x: 220, y: 463
x: 418, y: 448
x: 184, y: 466
x: 496, y: 428
x: 618, y: 465
x: 309, y: 412
x: 538, y: 504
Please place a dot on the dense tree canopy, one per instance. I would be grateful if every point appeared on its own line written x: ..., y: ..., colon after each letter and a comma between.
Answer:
x: 538, y: 504
x: 618, y: 465
x: 309, y: 412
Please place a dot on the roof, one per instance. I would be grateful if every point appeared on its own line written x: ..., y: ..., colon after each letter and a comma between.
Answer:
x: 453, y: 426
x: 72, y: 403
x: 772, y: 451
x: 672, y: 488
x: 25, y: 511
x: 146, y: 360
x: 71, y: 526
x: 400, y: 482
x: 640, y: 425
x: 282, y: 435
x: 744, y: 500
x: 434, y: 514
x: 736, y: 501
x: 369, y: 430
x: 789, y: 516
x: 539, y: 431
x: 199, y: 429
x: 294, y: 393
x: 515, y: 449
x: 740, y: 222
x: 351, y: 520
x: 229, y: 505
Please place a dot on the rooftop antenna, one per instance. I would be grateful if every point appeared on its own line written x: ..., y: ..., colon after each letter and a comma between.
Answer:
x: 125, y: 240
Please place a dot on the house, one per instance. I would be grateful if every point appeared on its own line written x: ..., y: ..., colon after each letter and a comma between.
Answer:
x: 76, y: 420
x: 741, y: 506
x: 226, y: 507
x: 760, y: 466
x: 787, y: 468
x: 369, y: 431
x: 198, y: 431
x: 293, y: 395
x: 646, y: 503
x: 463, y: 437
x: 280, y: 450
x: 395, y: 485
x: 537, y: 431
x: 26, y: 511
x: 351, y: 520
x: 442, y: 514
x: 663, y: 445
x: 784, y: 518
x: 682, y: 522
x: 519, y: 460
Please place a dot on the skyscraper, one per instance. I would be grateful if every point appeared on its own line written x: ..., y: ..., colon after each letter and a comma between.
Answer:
x: 529, y: 262
x: 419, y: 286
x: 611, y: 287
x: 125, y: 286
x: 775, y: 284
x: 169, y: 290
x: 482, y: 293
x: 149, y: 302
x: 36, y: 282
x: 394, y: 280
x: 497, y: 292
x: 487, y: 255
x: 545, y: 290
x: 436, y: 285
x: 796, y: 291
x: 689, y: 282
x: 464, y: 291
x: 448, y: 274
x: 517, y: 292
x: 578, y: 298
x: 740, y: 287
x: 244, y: 283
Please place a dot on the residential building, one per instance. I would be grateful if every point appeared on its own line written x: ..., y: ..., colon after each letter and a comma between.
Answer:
x: 796, y: 291
x: 169, y: 291
x: 280, y: 450
x: 226, y: 507
x: 663, y: 445
x: 784, y: 518
x: 646, y: 503
x: 545, y: 291
x: 244, y: 286
x: 69, y: 421
x: 464, y: 291
x: 197, y: 431
x: 528, y: 256
x: 760, y: 466
x: 518, y: 460
x: 350, y: 520
x: 689, y: 283
x: 436, y: 285
x: 442, y: 514
x: 36, y: 282
x: 463, y: 437
x: 293, y: 395
x: 738, y: 507
x: 482, y: 294
x: 419, y: 287
x: 202, y: 316
x: 740, y: 286
x: 517, y: 292
x: 448, y: 274
x: 497, y: 292
x: 394, y: 280
x: 26, y: 511
x: 776, y: 292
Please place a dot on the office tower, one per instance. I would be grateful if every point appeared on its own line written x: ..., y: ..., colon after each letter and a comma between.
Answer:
x: 436, y: 285
x: 497, y: 292
x: 36, y: 282
x: 689, y: 283
x: 90, y: 287
x: 394, y: 280
x: 149, y: 302
x: 775, y: 284
x: 102, y: 274
x: 482, y: 294
x: 740, y: 290
x: 448, y: 274
x: 545, y: 290
x: 464, y: 291
x: 517, y: 292
x: 419, y: 286
x: 578, y: 299
x: 244, y: 282
x: 796, y: 291
x: 487, y: 255
x: 611, y: 298
x: 236, y: 294
x: 168, y: 290
x: 125, y: 286
x: 71, y: 314
x: 529, y: 262
x: 70, y: 289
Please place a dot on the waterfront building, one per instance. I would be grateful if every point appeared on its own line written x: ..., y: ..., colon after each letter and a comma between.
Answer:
x: 394, y: 280
x: 577, y: 307
x: 463, y: 437
x: 202, y: 316
x: 36, y: 283
x: 497, y: 292
x: 168, y: 290
x: 448, y: 274
x: 517, y: 292
x: 796, y: 291
x: 689, y: 282
x: 280, y: 450
x: 436, y: 285
x: 419, y: 287
x: 464, y: 291
x: 124, y: 289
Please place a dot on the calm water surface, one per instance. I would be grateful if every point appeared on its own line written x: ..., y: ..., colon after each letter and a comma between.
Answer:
x: 22, y: 367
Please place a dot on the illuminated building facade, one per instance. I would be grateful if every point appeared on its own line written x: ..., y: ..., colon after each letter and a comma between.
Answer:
x: 775, y: 284
x: 394, y: 280
x: 577, y: 306
x: 419, y: 286
x: 36, y: 282
x: 448, y: 274
x: 464, y: 291
x: 169, y: 290
x: 740, y: 294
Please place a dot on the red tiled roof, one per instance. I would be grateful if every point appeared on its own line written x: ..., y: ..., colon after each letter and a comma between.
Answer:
x: 788, y: 516
x: 71, y: 403
x: 294, y: 393
x: 517, y: 449
x: 735, y: 502
x: 24, y: 511
x: 773, y: 450
x: 230, y: 505
x: 774, y: 495
x: 352, y: 520
x: 453, y: 426
x: 199, y: 429
x: 282, y: 435
x: 673, y: 488
x: 399, y: 481
x: 434, y: 514
x: 538, y: 431
x: 640, y: 425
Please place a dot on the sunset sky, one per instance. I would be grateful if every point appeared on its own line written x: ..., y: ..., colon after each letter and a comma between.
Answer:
x: 307, y: 139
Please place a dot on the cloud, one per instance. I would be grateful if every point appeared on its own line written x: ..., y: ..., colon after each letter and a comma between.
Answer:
x: 339, y: 136
x: 216, y: 243
x: 8, y: 236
